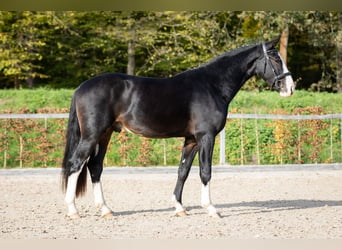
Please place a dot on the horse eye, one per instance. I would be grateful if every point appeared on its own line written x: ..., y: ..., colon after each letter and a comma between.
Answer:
x: 276, y: 62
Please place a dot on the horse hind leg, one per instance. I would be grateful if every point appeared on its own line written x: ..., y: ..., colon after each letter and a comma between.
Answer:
x: 95, y: 166
x: 71, y: 190
x: 76, y: 184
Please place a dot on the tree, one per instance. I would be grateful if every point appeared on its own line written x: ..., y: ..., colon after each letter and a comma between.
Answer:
x: 21, y: 42
x: 186, y: 39
x: 63, y: 48
x: 134, y: 29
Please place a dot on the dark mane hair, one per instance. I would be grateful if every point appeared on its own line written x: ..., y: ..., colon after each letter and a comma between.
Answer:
x: 226, y: 55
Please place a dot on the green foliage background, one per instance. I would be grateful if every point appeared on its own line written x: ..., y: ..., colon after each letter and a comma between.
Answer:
x: 60, y: 49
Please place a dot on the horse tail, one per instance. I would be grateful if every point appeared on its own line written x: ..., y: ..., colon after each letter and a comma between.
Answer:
x: 73, y: 136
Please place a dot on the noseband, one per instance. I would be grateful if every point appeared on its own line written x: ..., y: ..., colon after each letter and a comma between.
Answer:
x: 276, y: 78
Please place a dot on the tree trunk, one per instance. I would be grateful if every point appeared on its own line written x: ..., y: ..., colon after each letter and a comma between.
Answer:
x: 283, y: 43
x: 30, y: 82
x: 339, y: 63
x: 16, y: 82
x: 131, y: 54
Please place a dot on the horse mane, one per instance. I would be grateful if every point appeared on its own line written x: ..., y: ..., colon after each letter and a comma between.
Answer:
x: 231, y: 53
x: 228, y: 54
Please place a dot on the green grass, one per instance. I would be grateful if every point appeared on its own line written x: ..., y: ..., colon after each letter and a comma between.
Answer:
x: 244, y: 102
x: 15, y: 100
x: 264, y: 102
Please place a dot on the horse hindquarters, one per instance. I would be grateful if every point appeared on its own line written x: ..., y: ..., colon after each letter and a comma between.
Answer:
x: 74, y: 178
x: 94, y: 123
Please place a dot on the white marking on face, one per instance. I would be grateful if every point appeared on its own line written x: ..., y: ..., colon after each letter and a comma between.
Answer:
x: 289, y: 84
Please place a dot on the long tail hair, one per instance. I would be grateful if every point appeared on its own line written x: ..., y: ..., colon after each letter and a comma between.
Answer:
x: 72, y: 139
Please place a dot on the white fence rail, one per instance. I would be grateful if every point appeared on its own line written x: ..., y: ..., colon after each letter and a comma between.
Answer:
x: 34, y: 116
x: 222, y: 133
x: 233, y: 116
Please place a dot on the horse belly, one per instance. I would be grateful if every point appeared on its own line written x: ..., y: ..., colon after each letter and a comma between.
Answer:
x: 157, y: 127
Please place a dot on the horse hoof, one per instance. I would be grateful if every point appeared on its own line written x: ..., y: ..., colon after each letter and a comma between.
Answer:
x: 107, y: 215
x: 74, y: 216
x: 181, y: 214
x: 215, y: 215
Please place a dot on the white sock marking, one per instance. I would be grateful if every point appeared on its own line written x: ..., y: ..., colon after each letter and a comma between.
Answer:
x: 71, y: 193
x: 179, y: 207
x: 206, y: 199
x: 99, y: 199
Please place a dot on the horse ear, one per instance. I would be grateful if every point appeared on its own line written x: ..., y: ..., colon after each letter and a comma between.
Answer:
x: 273, y: 43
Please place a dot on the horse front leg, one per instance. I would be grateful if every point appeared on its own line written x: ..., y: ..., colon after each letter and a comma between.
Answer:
x: 205, y: 161
x: 188, y: 154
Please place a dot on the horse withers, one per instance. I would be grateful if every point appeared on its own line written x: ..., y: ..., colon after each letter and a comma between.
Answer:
x: 192, y: 105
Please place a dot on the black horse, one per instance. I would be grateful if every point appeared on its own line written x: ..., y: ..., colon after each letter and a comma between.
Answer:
x: 192, y: 104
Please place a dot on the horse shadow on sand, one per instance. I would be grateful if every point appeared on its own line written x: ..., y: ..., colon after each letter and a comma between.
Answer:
x: 251, y: 207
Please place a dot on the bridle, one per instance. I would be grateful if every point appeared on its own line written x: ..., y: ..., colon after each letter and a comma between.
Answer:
x: 276, y: 78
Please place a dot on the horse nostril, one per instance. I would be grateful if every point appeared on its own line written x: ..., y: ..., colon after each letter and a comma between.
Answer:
x: 292, y: 90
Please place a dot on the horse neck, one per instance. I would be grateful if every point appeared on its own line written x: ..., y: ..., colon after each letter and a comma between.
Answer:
x: 233, y: 70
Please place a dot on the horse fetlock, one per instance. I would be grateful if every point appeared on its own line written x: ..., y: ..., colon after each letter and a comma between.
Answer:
x: 212, y: 211
x: 105, y: 211
x: 179, y: 209
x: 72, y: 211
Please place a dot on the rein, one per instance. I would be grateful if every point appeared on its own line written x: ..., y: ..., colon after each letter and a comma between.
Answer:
x: 276, y: 78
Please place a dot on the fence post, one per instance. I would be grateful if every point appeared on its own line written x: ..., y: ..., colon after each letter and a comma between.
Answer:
x: 21, y: 149
x: 164, y: 151
x: 6, y: 147
x: 331, y: 141
x: 242, y: 151
x: 5, y: 158
x: 223, y: 146
x: 299, y: 142
x: 257, y: 140
x: 341, y: 133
